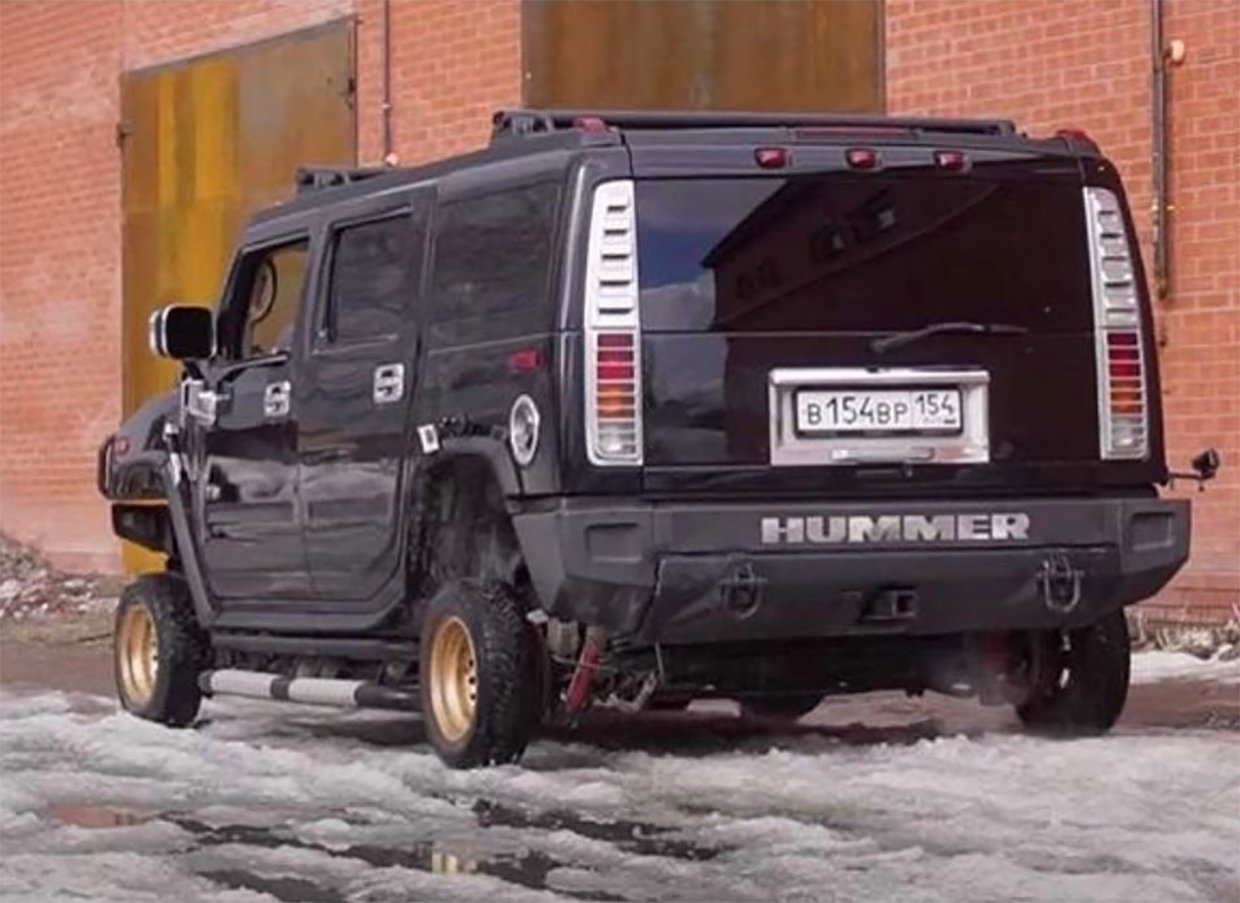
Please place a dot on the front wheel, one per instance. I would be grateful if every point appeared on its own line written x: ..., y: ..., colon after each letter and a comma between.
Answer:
x: 159, y: 650
x: 1082, y: 680
x: 480, y: 673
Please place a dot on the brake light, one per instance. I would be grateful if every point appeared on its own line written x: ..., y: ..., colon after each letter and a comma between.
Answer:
x: 613, y: 331
x: 1123, y: 414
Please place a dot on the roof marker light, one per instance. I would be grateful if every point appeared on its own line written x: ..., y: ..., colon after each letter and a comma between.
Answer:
x: 862, y: 157
x: 951, y: 160
x: 771, y: 157
x: 590, y: 124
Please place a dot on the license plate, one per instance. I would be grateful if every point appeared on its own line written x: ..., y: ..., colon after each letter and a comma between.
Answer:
x: 878, y: 411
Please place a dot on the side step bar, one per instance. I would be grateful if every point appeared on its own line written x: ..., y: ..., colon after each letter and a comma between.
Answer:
x: 350, y: 694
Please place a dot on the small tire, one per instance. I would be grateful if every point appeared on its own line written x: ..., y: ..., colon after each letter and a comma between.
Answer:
x: 1083, y: 691
x: 159, y: 650
x: 791, y: 707
x: 481, y: 675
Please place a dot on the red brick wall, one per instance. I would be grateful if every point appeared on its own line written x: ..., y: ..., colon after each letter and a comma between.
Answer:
x: 453, y: 64
x: 59, y: 269
x: 1086, y: 64
x: 60, y: 66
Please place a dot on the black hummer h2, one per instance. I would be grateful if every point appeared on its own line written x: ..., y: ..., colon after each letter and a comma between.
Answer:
x: 641, y: 408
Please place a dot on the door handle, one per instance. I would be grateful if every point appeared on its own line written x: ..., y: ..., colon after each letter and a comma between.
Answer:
x: 389, y: 384
x: 276, y: 399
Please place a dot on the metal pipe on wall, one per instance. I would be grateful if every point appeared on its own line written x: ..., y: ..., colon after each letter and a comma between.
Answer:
x: 388, y: 156
x: 1158, y: 150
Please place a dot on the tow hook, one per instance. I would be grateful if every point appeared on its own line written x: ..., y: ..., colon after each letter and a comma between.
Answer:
x: 1060, y: 583
x: 740, y: 590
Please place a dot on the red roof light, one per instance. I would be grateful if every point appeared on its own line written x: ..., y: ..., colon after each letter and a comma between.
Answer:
x: 951, y: 160
x: 771, y: 157
x: 862, y: 157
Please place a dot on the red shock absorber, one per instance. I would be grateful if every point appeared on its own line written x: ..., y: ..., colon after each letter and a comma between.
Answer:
x: 577, y: 697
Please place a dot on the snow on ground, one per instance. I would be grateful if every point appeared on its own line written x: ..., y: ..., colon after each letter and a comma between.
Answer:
x: 264, y: 802
x: 1157, y: 665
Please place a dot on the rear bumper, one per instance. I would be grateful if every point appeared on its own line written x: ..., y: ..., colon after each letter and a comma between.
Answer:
x: 695, y: 573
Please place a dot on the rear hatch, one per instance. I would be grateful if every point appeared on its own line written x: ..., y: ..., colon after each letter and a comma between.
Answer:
x: 903, y: 328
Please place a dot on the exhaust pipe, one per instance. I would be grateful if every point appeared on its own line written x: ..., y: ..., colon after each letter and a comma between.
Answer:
x: 1060, y: 583
x: 349, y: 694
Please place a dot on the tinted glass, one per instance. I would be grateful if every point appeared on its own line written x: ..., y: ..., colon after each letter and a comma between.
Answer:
x: 493, y: 265
x: 373, y: 270
x: 259, y: 316
x: 842, y: 253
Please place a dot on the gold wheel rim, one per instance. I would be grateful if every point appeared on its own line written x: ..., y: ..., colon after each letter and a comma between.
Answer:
x: 453, y: 679
x: 137, y: 650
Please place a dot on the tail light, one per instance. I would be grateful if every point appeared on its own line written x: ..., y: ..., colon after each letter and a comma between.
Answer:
x: 613, y: 331
x: 1123, y: 404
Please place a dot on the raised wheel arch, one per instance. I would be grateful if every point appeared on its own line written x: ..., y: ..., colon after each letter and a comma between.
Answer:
x: 460, y: 527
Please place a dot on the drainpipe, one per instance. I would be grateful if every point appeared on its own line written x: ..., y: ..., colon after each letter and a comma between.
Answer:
x: 1158, y: 149
x: 389, y: 157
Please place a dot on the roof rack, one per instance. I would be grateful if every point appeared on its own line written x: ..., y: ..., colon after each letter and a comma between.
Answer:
x: 520, y: 123
x: 312, y: 178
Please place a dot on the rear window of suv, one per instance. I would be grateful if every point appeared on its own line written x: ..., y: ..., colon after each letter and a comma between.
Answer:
x: 873, y: 253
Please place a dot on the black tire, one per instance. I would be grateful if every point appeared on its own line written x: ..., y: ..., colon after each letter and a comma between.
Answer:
x: 166, y: 688
x: 506, y: 668
x: 1084, y: 683
x: 790, y: 707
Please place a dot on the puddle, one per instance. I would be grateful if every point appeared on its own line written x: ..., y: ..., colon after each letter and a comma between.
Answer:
x: 526, y: 869
x: 641, y: 838
x: 82, y: 815
x: 287, y: 890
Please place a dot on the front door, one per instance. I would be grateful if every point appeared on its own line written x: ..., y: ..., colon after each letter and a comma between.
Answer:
x: 245, y: 493
x: 354, y: 391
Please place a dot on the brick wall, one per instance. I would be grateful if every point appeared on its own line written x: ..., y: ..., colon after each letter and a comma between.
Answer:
x: 453, y: 64
x: 59, y: 269
x: 60, y: 66
x: 1086, y: 64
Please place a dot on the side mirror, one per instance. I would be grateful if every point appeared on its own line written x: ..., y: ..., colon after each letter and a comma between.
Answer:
x: 1207, y: 464
x: 1205, y: 467
x: 182, y: 332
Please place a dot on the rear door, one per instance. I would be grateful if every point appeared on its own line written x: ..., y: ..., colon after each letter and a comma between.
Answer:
x: 766, y: 303
x: 354, y: 393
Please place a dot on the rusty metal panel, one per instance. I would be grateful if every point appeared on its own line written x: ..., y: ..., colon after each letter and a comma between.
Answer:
x: 811, y: 55
x: 207, y: 141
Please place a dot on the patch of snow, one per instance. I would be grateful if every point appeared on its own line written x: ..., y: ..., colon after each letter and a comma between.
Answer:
x: 1156, y: 665
x: 261, y: 801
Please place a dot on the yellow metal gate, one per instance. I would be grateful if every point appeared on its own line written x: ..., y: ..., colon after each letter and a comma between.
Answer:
x: 205, y: 142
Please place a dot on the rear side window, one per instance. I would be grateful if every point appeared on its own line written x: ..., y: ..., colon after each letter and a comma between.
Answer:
x: 372, y: 279
x: 493, y: 258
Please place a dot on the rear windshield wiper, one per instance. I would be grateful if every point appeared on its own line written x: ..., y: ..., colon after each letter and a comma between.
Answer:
x: 900, y: 339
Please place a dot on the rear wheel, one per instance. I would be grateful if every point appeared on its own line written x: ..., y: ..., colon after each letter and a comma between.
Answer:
x: 159, y: 650
x: 1082, y: 680
x: 790, y: 707
x: 481, y: 675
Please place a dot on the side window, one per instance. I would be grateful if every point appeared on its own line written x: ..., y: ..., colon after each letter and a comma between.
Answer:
x: 373, y: 269
x: 262, y: 309
x: 493, y: 257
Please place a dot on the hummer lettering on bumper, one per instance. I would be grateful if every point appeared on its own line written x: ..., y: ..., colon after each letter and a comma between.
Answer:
x: 895, y: 528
